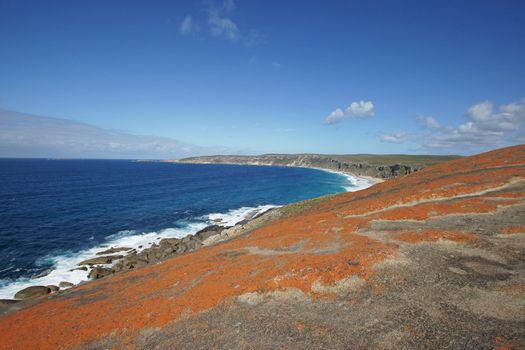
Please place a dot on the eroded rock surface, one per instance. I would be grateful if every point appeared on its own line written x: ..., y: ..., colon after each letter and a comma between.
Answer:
x: 435, y: 259
x: 33, y: 292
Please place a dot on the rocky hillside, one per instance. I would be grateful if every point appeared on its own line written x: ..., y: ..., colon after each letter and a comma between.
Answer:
x: 378, y: 166
x: 435, y: 259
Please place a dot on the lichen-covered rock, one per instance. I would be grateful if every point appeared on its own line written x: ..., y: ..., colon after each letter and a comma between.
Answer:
x: 65, y: 284
x: 113, y: 250
x: 53, y: 288
x: 431, y: 260
x: 32, y: 292
x: 208, y: 232
x: 99, y: 272
x: 100, y: 260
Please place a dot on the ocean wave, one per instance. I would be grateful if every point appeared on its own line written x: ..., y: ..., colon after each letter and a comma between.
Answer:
x: 234, y: 216
x: 356, y: 183
x: 64, y: 265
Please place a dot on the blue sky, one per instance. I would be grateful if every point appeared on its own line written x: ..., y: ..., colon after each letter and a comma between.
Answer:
x: 274, y: 76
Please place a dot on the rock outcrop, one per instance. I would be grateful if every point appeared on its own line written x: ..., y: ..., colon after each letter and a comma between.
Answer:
x: 435, y: 259
x: 32, y: 292
x: 100, y: 260
x: 113, y: 250
x: 382, y: 167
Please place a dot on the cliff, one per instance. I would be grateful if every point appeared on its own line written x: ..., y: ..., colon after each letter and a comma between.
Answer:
x: 435, y: 259
x: 378, y: 166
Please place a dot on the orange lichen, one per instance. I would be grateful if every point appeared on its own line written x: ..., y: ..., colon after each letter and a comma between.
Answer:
x: 319, y: 245
x: 440, y: 208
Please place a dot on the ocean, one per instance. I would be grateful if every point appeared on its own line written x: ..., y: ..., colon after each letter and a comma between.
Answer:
x: 55, y: 213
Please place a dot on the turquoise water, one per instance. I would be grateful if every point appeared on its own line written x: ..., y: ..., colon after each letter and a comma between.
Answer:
x: 53, y: 213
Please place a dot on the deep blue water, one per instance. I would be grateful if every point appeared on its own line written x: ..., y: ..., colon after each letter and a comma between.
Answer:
x: 48, y: 207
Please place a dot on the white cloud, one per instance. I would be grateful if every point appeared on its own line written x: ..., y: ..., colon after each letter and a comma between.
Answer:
x: 399, y: 137
x: 510, y: 117
x: 359, y: 110
x: 222, y: 27
x: 25, y: 135
x: 480, y: 111
x: 187, y: 26
x: 432, y: 123
x: 335, y: 117
x: 276, y: 64
x: 485, y: 128
x: 220, y: 23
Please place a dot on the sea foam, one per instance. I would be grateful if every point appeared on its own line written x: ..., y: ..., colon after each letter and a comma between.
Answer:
x: 64, y: 264
x: 355, y: 183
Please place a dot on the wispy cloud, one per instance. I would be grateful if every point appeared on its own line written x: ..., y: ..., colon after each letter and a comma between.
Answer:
x: 221, y: 26
x: 486, y: 127
x: 254, y: 38
x: 25, y: 135
x: 358, y: 110
x: 228, y: 6
x: 432, y: 123
x: 219, y: 22
x: 187, y: 26
x: 397, y: 138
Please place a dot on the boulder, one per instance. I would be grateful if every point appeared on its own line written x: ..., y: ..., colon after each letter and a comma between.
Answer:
x: 53, y: 288
x: 32, y: 292
x: 188, y: 246
x: 131, y: 261
x: 65, y: 284
x: 169, y: 242
x: 82, y: 268
x: 209, y: 231
x: 113, y: 250
x: 108, y: 259
x: 99, y: 272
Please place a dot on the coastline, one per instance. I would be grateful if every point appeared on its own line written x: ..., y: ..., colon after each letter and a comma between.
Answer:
x: 369, y: 165
x: 142, y: 249
x: 438, y: 256
x: 350, y: 176
x: 69, y: 268
x: 373, y: 180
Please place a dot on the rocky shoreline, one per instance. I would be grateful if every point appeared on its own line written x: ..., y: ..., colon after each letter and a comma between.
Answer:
x: 431, y: 260
x: 378, y: 168
x: 116, y: 259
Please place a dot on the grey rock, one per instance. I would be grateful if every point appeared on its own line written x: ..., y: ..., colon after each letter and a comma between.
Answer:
x: 65, y: 284
x: 32, y: 292
x: 99, y: 272
x: 101, y: 260
x: 209, y: 231
x: 53, y: 288
x: 82, y: 268
x: 169, y: 242
x: 113, y: 250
